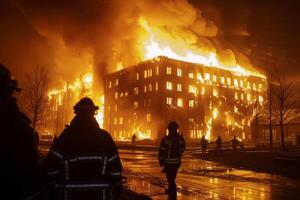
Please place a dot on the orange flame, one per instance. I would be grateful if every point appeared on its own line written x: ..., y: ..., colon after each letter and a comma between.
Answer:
x: 154, y: 48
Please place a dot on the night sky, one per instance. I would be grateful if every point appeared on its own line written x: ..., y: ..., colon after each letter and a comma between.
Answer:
x: 267, y: 30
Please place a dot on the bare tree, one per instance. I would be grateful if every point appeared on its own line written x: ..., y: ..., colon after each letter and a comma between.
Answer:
x: 270, y: 110
x: 285, y: 102
x: 34, y: 98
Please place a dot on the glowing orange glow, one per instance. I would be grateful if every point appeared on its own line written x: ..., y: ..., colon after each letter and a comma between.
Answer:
x: 88, y: 79
x: 141, y: 135
x: 154, y: 44
x: 157, y: 45
x: 119, y: 66
x: 215, y: 113
x: 80, y: 84
x: 100, y: 114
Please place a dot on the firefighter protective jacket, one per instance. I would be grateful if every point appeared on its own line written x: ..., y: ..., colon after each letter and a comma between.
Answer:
x: 84, y: 163
x: 171, y: 149
x: 19, y: 170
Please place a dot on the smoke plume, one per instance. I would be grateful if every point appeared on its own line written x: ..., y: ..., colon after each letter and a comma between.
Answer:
x: 72, y: 36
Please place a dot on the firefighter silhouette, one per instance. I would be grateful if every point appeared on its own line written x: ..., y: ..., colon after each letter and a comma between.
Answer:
x: 19, y: 170
x: 84, y: 162
x: 169, y: 155
x: 204, y: 143
x: 234, y: 143
x: 219, y: 144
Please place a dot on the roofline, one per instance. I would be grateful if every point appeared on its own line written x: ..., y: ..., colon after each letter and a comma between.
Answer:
x: 165, y: 57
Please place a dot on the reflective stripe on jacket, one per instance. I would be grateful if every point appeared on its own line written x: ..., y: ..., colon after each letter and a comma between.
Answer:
x: 84, y: 161
x: 171, y: 149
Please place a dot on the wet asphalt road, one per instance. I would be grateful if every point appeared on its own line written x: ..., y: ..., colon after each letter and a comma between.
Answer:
x: 199, y: 179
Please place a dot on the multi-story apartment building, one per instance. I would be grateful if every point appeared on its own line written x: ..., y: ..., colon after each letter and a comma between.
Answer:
x: 209, y: 101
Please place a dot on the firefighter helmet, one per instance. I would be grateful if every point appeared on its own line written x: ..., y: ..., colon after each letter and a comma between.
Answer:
x: 173, y: 125
x: 85, y: 105
x: 7, y: 83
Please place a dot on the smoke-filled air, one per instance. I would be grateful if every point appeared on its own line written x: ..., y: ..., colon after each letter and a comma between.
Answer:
x: 103, y: 36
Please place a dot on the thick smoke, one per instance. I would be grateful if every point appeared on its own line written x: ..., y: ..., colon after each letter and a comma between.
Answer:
x: 69, y: 36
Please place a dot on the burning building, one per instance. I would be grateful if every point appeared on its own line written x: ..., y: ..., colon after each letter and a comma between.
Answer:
x: 61, y: 102
x: 205, y: 100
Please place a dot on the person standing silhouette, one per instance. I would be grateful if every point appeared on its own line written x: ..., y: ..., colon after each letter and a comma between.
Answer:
x: 204, y: 144
x: 219, y: 144
x: 83, y: 162
x: 170, y: 153
x: 19, y: 170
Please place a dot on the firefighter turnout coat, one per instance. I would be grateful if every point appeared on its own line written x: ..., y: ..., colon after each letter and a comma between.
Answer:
x: 171, y: 149
x: 19, y: 169
x: 83, y: 163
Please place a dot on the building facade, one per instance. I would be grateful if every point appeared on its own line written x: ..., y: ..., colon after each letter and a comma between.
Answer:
x: 209, y: 101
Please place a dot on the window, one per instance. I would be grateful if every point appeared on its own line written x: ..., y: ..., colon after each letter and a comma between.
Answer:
x: 249, y: 97
x: 121, y: 120
x: 254, y: 86
x: 145, y: 88
x: 192, y: 89
x: 109, y: 84
x: 169, y: 85
x: 169, y: 100
x: 260, y: 86
x: 214, y: 78
x: 191, y: 103
x: 236, y: 83
x: 215, y: 92
x: 179, y: 72
x: 241, y: 83
x: 135, y: 104
x: 150, y: 87
x: 137, y: 76
x: 179, y: 88
x: 235, y: 109
x: 145, y: 74
x: 191, y: 120
x: 260, y: 99
x: 117, y: 82
x: 149, y: 72
x: 116, y: 95
x: 228, y: 81
x: 207, y: 76
x: 148, y: 117
x: 222, y: 80
x: 199, y: 77
x: 115, y: 121
x: 169, y: 70
x: 248, y: 85
x: 242, y: 96
x: 121, y: 94
x: 203, y: 91
x: 236, y: 96
x: 148, y: 133
x: 191, y: 75
x: 156, y: 86
x: 136, y: 90
x: 126, y: 94
x: 179, y: 102
x: 157, y: 70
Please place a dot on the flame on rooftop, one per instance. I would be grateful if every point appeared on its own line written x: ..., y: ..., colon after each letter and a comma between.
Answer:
x: 157, y: 45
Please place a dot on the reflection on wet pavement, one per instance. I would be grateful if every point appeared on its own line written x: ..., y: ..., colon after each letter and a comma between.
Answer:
x: 199, y: 179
